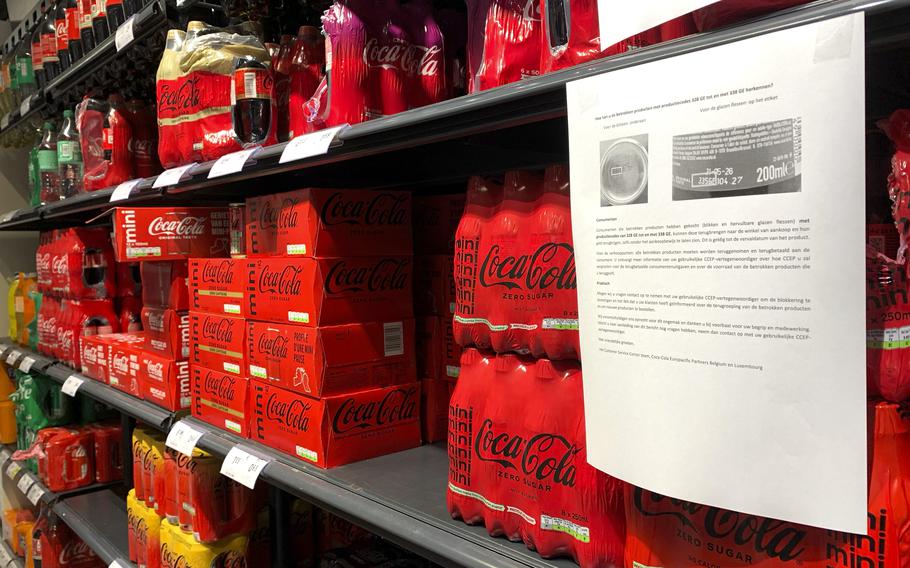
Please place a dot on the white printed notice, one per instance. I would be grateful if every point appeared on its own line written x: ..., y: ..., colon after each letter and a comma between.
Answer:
x: 717, y: 210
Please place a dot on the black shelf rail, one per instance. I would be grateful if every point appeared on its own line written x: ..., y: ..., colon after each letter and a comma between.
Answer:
x: 148, y: 413
x: 517, y: 125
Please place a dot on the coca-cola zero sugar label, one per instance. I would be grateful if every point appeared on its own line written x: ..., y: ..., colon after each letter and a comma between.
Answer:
x: 218, y: 342
x: 220, y: 399
x: 217, y: 285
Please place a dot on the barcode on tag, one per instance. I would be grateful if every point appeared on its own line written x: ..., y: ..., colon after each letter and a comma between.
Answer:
x: 13, y: 469
x: 35, y: 494
x: 393, y: 338
x: 249, y: 85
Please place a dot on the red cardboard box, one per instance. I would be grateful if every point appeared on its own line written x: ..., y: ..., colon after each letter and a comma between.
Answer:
x: 217, y: 342
x: 436, y: 218
x: 170, y: 233
x: 164, y: 284
x: 434, y: 285
x: 96, y: 352
x: 438, y: 356
x: 220, y: 399
x: 329, y: 291
x: 123, y: 369
x: 434, y: 409
x: 217, y: 285
x: 325, y: 361
x: 167, y: 332
x: 336, y: 430
x: 329, y: 223
x: 164, y: 381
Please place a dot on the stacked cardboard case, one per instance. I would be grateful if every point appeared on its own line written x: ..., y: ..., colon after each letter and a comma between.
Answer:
x: 325, y: 337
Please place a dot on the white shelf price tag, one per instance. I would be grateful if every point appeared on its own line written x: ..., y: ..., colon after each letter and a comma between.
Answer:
x: 173, y: 175
x: 12, y: 357
x: 119, y: 564
x: 183, y: 438
x: 8, y: 216
x: 25, y: 483
x: 124, y: 35
x: 243, y: 467
x: 4, y: 455
x: 25, y: 365
x: 72, y: 384
x: 4, y: 122
x: 310, y: 145
x: 124, y: 190
x: 5, y: 557
x: 25, y: 106
x: 35, y: 493
x: 13, y: 469
x: 231, y: 163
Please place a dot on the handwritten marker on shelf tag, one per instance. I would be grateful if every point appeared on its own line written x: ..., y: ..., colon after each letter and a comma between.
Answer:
x: 310, y: 145
x: 25, y: 483
x: 13, y: 469
x: 183, y: 438
x: 231, y: 163
x: 35, y: 493
x: 25, y: 365
x: 173, y: 175
x: 243, y: 467
x: 124, y: 34
x: 11, y: 358
x: 124, y: 190
x: 25, y: 106
x: 71, y: 385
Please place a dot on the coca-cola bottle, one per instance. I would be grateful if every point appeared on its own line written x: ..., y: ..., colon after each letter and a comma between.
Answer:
x: 24, y: 69
x: 281, y: 67
x: 145, y: 138
x: 116, y: 14
x: 86, y: 34
x: 347, y: 74
x: 73, y: 39
x: 167, y: 86
x: 252, y: 96
x: 117, y: 142
x: 307, y: 59
x: 61, y: 36
x: 49, y: 45
x: 47, y: 165
x: 69, y: 157
x: 130, y: 7
x: 426, y: 61
x: 99, y: 20
x: 38, y: 57
x: 386, y: 58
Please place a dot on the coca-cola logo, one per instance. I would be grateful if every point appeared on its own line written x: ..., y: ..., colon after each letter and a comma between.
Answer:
x: 385, y: 275
x: 531, y: 10
x: 218, y: 329
x: 775, y: 539
x: 551, y: 265
x: 43, y: 262
x: 188, y: 226
x: 59, y: 266
x: 219, y: 385
x: 141, y: 148
x: 184, y: 461
x: 186, y: 97
x: 276, y: 346
x: 422, y: 61
x: 75, y: 551
x: 120, y: 362
x: 544, y: 456
x: 172, y: 559
x: 230, y: 559
x: 385, y: 56
x: 155, y: 369
x: 60, y: 28
x: 398, y: 405
x: 218, y: 272
x: 293, y: 414
x: 380, y: 209
x: 156, y: 320
x: 286, y: 281
x: 139, y: 526
x: 65, y: 340
x: 89, y: 353
x: 283, y: 217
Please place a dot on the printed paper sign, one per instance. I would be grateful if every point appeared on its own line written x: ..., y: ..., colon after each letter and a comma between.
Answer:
x: 243, y: 467
x: 124, y: 190
x: 183, y: 438
x: 124, y: 35
x: 173, y: 175
x: 231, y: 163
x: 719, y: 241
x: 629, y: 18
x: 72, y: 384
x: 310, y: 145
x: 35, y: 493
x: 25, y: 483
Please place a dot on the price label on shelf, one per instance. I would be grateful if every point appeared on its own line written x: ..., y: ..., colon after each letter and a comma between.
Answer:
x: 173, y: 175
x: 25, y: 106
x: 72, y: 384
x: 124, y: 190
x: 25, y: 365
x: 8, y: 216
x: 12, y: 357
x: 120, y: 564
x: 25, y: 483
x: 243, y: 467
x: 4, y: 455
x: 5, y: 556
x: 231, y: 163
x: 4, y: 122
x: 13, y: 469
x: 183, y: 438
x: 310, y: 145
x: 124, y: 35
x: 35, y: 493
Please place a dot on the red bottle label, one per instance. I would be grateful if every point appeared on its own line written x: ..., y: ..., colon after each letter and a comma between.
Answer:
x: 85, y: 14
x: 252, y: 84
x: 98, y: 7
x: 107, y: 139
x: 72, y: 24
x: 49, y: 47
x: 62, y: 39
x: 37, y: 56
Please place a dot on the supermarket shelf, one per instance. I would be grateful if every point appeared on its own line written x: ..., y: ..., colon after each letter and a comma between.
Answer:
x: 400, y: 497
x: 100, y: 520
x: 148, y: 413
x: 7, y: 553
x: 41, y: 492
x: 14, y: 118
x: 518, y: 125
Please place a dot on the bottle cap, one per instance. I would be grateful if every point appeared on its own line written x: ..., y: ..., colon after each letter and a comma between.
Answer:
x: 68, y: 114
x: 48, y: 125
